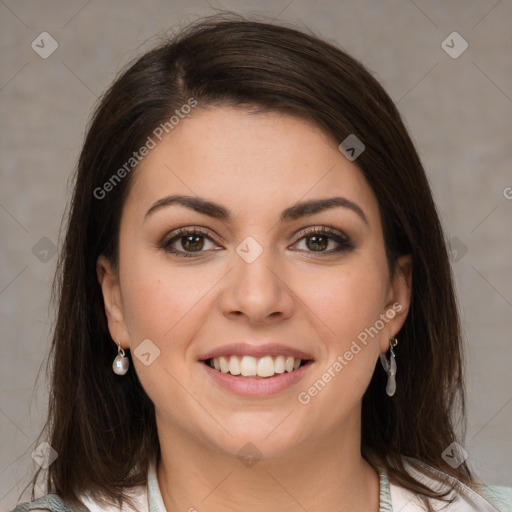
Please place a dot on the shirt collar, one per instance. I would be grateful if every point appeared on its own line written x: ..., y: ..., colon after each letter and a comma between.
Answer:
x: 155, y: 500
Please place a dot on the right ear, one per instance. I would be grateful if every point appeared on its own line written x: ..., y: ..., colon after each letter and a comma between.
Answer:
x: 109, y: 282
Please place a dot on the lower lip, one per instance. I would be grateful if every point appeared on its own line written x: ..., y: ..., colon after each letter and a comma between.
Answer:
x: 249, y: 386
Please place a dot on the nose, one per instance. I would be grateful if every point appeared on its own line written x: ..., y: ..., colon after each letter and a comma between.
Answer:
x: 257, y: 290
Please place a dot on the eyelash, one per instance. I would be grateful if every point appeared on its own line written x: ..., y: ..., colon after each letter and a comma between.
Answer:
x: 344, y: 242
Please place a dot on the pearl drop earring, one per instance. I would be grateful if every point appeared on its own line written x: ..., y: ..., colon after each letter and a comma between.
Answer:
x: 121, y: 362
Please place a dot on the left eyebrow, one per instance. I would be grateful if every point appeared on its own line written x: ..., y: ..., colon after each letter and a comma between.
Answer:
x: 318, y: 205
x: 217, y: 211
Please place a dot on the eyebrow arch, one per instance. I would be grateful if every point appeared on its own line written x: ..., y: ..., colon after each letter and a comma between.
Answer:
x: 301, y: 209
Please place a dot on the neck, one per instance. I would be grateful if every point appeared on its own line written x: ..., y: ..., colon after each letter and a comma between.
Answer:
x: 325, y: 474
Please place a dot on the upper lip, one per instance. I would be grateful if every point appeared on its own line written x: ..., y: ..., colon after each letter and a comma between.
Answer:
x: 255, y: 350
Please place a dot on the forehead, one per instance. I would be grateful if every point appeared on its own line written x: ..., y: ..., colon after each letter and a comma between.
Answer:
x: 251, y: 162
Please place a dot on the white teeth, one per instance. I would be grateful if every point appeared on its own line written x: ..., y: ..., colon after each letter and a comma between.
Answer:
x: 279, y: 364
x: 249, y: 366
x: 224, y: 365
x: 266, y: 366
x: 234, y: 365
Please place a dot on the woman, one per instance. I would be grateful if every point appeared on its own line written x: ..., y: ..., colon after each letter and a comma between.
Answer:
x: 256, y: 302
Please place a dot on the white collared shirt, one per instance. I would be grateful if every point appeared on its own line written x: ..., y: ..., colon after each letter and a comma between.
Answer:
x: 393, y: 498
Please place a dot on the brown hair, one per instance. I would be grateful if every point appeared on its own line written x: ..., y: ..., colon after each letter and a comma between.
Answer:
x: 103, y: 426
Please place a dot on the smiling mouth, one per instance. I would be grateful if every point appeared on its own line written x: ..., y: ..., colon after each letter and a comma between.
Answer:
x: 259, y: 368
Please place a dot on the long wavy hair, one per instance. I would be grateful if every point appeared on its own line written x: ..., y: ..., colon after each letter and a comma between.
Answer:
x: 103, y: 426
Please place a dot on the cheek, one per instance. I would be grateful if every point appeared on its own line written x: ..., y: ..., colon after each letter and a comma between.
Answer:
x: 347, y: 298
x: 167, y: 304
x: 155, y: 296
x: 164, y: 306
x: 347, y: 303
x: 156, y: 307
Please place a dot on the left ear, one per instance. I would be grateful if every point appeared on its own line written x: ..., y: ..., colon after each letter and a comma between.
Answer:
x: 398, y: 299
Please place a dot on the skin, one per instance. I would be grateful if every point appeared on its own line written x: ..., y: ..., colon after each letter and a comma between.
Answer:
x: 255, y: 165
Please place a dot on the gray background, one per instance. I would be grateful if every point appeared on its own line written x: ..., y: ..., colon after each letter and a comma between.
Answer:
x: 458, y: 111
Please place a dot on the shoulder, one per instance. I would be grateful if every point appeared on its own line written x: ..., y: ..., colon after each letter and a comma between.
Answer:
x: 138, y: 495
x: 50, y: 502
x: 479, y: 498
x: 54, y: 503
x: 498, y: 495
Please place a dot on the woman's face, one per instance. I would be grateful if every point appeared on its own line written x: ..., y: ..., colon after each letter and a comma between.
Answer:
x: 257, y: 273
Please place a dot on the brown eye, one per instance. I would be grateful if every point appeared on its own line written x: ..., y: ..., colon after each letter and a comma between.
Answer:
x: 317, y: 242
x: 319, y: 239
x: 192, y: 242
x: 185, y: 242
